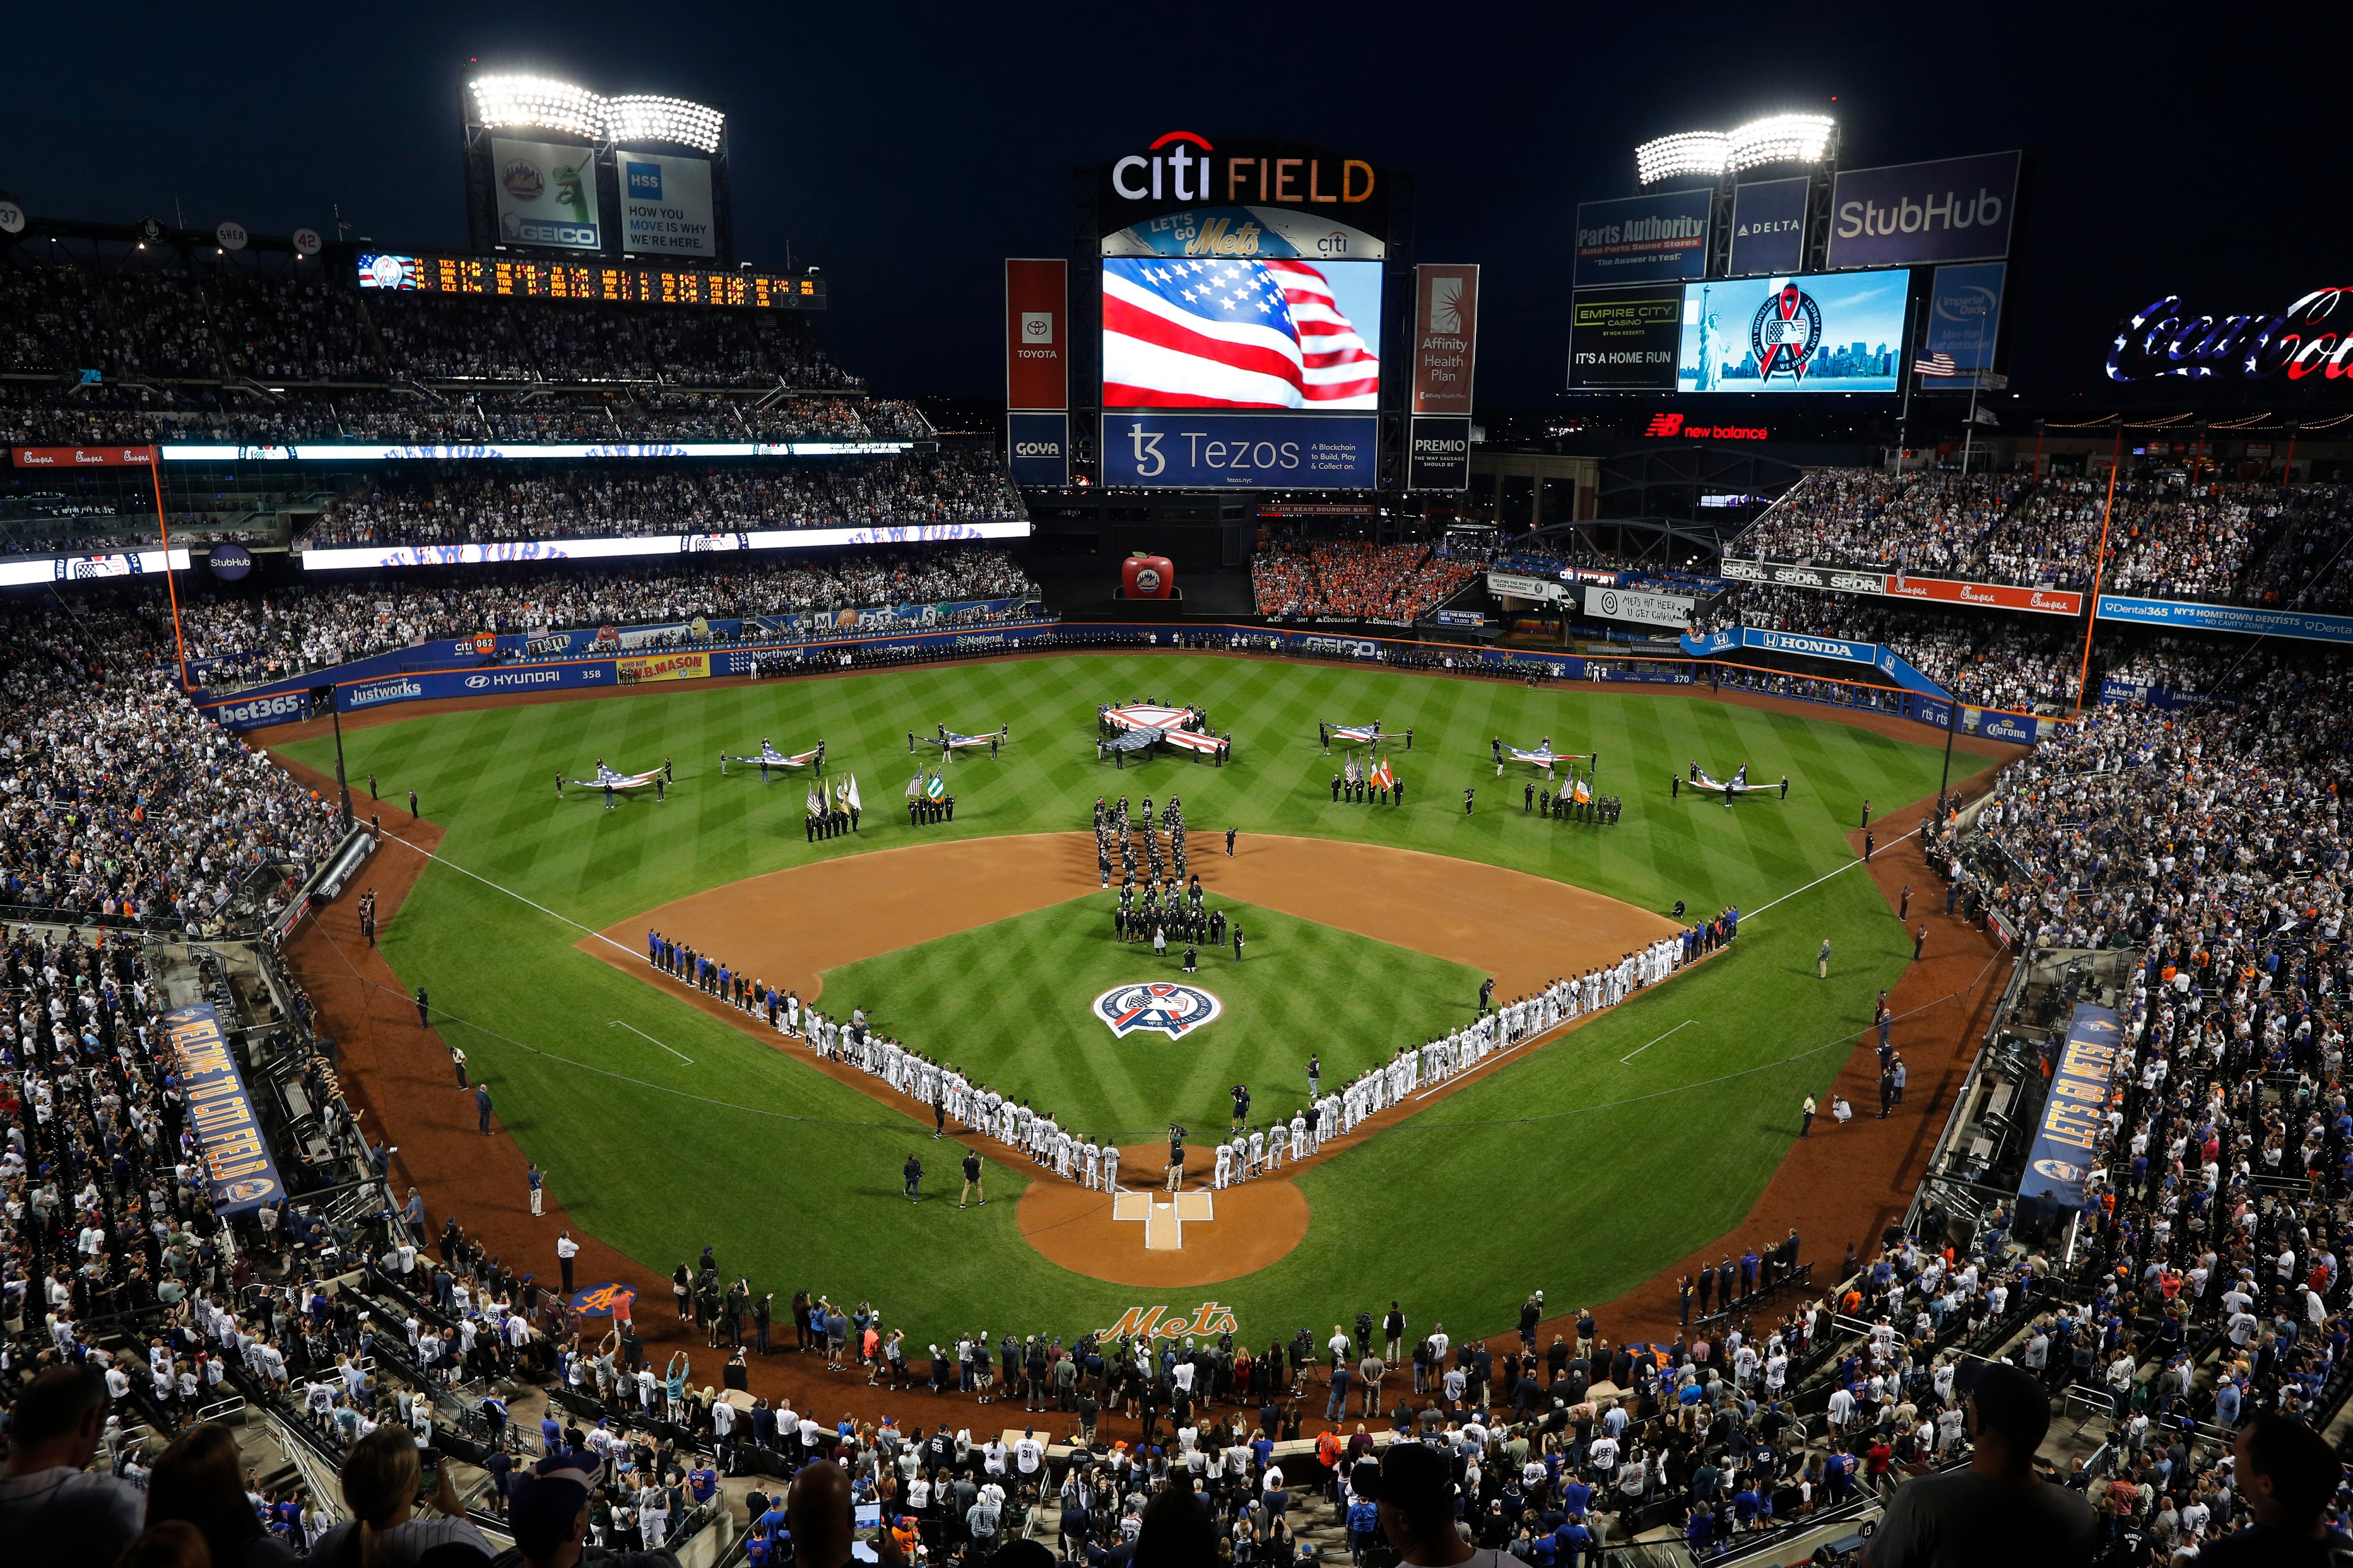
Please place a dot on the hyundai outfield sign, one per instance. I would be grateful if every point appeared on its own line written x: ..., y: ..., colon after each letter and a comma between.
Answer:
x: 1957, y: 209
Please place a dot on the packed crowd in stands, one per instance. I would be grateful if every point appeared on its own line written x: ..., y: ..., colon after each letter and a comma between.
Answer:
x: 303, y: 327
x: 2225, y: 541
x: 116, y: 797
x: 246, y: 638
x: 1356, y: 580
x: 478, y: 503
x: 39, y: 415
x: 1987, y: 660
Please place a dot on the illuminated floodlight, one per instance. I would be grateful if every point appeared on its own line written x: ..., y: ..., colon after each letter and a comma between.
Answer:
x: 646, y: 117
x: 1680, y: 156
x: 538, y: 102
x: 1781, y: 139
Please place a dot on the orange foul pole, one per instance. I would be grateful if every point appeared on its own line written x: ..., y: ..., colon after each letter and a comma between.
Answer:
x: 164, y: 537
x: 2099, y: 569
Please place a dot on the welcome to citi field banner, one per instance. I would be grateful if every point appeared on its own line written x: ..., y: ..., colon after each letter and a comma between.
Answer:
x: 238, y: 1166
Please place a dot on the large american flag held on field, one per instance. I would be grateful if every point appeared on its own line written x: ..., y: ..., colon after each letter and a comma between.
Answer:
x: 1229, y: 333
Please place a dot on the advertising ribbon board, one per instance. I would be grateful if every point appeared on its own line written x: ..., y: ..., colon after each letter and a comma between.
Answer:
x: 2073, y: 1119
x: 237, y: 1164
x: 637, y: 669
x: 1514, y: 585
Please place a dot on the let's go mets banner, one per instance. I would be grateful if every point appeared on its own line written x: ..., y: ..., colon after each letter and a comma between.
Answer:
x: 2075, y: 1116
x: 637, y: 668
x: 237, y: 1157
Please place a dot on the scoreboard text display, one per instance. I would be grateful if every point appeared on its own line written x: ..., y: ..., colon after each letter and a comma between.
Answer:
x: 634, y: 285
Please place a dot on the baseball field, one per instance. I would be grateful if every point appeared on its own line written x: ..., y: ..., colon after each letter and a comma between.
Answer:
x: 1579, y: 1166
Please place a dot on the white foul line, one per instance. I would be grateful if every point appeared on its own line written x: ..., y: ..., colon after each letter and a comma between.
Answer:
x: 1646, y: 1045
x: 643, y: 1035
x: 1828, y: 874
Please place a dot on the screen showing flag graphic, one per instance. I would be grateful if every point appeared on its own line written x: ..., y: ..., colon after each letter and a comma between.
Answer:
x: 1231, y: 332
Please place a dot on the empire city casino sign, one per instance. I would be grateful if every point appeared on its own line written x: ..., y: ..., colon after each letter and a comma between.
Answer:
x: 2313, y: 337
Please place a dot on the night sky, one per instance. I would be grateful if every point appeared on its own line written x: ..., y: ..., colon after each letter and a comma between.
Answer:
x: 908, y: 149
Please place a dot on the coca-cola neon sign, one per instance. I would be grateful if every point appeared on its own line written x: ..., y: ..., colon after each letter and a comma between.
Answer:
x: 2310, y: 337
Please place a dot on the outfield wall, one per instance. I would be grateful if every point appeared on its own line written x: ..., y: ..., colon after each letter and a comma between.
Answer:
x: 366, y: 684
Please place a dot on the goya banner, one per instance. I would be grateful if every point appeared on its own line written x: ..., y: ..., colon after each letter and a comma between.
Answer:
x: 2067, y: 1133
x: 240, y: 1170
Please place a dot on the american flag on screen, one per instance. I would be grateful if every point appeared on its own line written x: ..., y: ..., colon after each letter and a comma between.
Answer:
x: 1180, y: 332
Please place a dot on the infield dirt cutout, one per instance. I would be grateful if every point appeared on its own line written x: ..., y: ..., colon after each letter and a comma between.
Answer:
x: 788, y: 927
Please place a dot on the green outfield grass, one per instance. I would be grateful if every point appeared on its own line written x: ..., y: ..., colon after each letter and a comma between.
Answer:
x: 973, y: 1001
x: 1572, y: 1169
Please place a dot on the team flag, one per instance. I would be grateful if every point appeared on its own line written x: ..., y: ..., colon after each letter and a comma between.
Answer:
x: 855, y: 803
x: 1229, y: 333
x: 1382, y: 776
x: 935, y: 787
x: 1582, y: 794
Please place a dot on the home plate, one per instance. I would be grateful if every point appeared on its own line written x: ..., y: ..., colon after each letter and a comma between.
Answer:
x: 1163, y: 1219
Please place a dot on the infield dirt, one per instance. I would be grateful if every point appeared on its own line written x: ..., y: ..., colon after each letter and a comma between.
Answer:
x: 788, y: 927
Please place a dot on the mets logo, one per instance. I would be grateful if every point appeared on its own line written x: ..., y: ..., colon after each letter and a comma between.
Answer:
x: 251, y: 1190
x: 1172, y: 1008
x: 1785, y: 332
x: 605, y: 1300
x: 2059, y: 1170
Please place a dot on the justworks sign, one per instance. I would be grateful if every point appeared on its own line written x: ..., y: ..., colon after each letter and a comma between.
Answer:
x: 1182, y: 169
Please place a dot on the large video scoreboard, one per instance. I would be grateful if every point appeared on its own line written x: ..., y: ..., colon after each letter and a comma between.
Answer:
x: 589, y: 280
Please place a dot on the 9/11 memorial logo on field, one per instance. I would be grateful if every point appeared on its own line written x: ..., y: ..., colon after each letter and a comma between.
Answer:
x: 1176, y: 1010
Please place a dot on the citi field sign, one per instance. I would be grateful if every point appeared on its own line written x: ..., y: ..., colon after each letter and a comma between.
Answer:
x: 2313, y: 337
x: 1182, y: 166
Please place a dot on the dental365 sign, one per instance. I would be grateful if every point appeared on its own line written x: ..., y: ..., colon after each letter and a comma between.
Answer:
x: 1193, y: 450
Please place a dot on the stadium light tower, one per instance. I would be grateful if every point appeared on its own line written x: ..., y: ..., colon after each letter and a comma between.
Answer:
x: 537, y: 103
x: 1781, y: 139
x: 645, y: 117
x: 1686, y: 155
x: 1711, y: 154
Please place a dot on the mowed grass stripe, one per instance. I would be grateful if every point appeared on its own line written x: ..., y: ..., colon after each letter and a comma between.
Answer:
x: 1466, y: 1207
